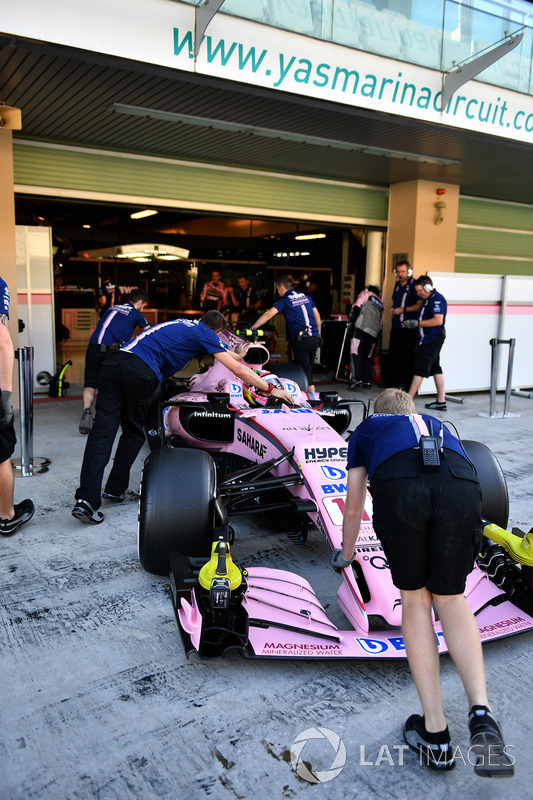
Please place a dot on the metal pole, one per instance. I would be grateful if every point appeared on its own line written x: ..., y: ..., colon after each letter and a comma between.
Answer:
x: 507, y: 400
x: 521, y: 393
x: 451, y: 399
x: 493, y: 377
x: 26, y: 465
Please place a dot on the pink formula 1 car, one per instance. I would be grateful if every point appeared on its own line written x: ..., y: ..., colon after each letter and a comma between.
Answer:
x: 220, y: 449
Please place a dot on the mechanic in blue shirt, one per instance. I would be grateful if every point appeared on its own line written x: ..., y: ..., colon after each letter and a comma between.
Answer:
x: 431, y: 335
x: 303, y: 324
x: 128, y: 382
x: 115, y: 327
x: 430, y: 526
x: 12, y: 516
x: 402, y: 342
x: 247, y: 302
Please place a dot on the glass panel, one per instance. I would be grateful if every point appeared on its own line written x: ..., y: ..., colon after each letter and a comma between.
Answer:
x: 431, y: 33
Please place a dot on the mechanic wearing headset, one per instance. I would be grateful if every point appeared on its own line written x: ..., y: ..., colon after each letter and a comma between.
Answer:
x: 128, y: 382
x: 12, y: 516
x: 402, y: 342
x: 431, y: 335
x: 303, y: 324
x: 430, y: 526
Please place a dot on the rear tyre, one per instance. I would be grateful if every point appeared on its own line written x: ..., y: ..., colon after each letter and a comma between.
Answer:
x: 292, y: 372
x: 495, y: 497
x: 177, y: 507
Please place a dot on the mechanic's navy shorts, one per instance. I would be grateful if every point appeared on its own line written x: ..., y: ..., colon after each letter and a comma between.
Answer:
x: 8, y: 441
x: 427, y: 361
x: 429, y: 523
x: 94, y: 358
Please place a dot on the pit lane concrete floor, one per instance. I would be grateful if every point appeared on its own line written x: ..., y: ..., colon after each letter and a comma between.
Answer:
x: 99, y: 701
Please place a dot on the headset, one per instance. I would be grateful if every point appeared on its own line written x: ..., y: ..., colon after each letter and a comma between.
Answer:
x: 426, y: 284
x: 409, y: 268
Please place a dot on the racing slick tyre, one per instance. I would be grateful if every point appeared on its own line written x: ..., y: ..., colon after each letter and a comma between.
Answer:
x: 177, y: 506
x: 495, y: 498
x: 293, y: 372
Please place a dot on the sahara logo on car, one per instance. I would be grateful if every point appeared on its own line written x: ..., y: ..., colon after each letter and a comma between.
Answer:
x: 313, y: 455
x: 248, y: 441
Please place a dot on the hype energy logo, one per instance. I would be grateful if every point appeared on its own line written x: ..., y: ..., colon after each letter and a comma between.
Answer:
x: 285, y: 61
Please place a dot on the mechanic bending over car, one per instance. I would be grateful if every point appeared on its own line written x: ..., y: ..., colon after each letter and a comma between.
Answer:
x: 303, y: 324
x: 126, y: 389
x: 428, y: 519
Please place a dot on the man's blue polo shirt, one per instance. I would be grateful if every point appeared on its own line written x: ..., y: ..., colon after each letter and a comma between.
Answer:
x: 168, y: 347
x: 381, y: 436
x: 434, y: 304
x: 117, y: 324
x: 297, y: 309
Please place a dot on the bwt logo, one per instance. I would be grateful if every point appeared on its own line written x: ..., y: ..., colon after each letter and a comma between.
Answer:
x: 334, y: 488
x: 334, y: 473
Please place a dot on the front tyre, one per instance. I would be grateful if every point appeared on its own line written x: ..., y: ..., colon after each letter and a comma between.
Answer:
x: 177, y: 507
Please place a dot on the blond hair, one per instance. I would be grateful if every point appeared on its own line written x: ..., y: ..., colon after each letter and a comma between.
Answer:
x: 394, y: 401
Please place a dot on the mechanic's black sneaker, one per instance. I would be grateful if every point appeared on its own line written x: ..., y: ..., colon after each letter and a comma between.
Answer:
x: 114, y: 498
x: 486, y: 743
x: 84, y: 511
x: 86, y: 421
x: 437, y: 406
x: 23, y: 513
x: 434, y: 749
x: 366, y: 385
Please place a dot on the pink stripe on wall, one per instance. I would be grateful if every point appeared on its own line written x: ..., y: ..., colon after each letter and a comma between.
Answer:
x: 488, y: 309
x: 36, y: 299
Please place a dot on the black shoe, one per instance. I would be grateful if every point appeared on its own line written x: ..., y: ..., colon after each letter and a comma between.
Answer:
x: 434, y: 749
x: 365, y: 385
x: 84, y: 511
x: 486, y: 743
x: 114, y: 498
x: 86, y: 421
x: 23, y: 513
x: 437, y: 406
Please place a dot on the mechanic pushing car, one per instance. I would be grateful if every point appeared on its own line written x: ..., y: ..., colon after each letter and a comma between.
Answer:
x: 427, y: 515
x: 128, y: 382
x: 303, y: 324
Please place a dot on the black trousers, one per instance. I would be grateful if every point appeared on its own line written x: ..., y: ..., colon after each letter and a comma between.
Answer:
x: 126, y: 390
x: 304, y: 352
x: 401, y: 357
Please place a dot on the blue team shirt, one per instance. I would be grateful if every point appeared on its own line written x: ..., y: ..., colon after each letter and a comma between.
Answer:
x: 4, y: 298
x: 381, y: 436
x: 297, y: 309
x: 169, y: 346
x: 434, y: 304
x: 402, y: 297
x: 117, y: 324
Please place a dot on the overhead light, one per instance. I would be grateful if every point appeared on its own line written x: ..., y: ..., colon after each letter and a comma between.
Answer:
x: 272, y: 133
x: 148, y: 212
x: 145, y: 252
x: 311, y: 236
x: 86, y: 226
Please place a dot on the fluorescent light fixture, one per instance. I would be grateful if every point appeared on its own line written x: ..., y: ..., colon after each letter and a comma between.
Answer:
x: 271, y: 133
x: 144, y: 252
x: 148, y: 212
x: 311, y: 236
x: 86, y: 226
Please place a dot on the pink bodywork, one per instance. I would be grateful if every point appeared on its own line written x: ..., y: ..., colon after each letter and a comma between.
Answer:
x: 298, y: 625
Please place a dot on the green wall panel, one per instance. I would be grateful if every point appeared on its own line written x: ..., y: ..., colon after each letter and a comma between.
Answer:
x: 98, y: 172
x: 495, y: 215
x: 494, y: 242
x: 480, y: 265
